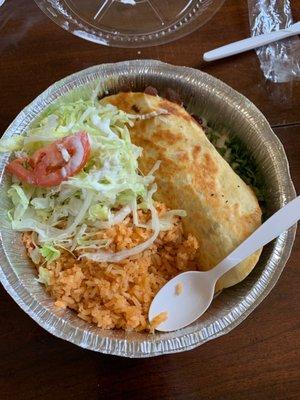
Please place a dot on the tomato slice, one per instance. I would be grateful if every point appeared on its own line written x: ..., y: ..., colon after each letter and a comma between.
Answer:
x: 54, y: 163
x: 20, y: 167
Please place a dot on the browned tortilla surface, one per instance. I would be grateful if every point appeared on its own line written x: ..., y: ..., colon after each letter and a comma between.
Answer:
x: 221, y: 209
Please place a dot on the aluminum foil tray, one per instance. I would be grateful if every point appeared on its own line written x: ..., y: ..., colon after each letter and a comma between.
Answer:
x: 222, y: 107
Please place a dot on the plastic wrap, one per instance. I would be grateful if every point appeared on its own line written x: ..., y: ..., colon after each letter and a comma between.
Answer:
x: 280, y: 61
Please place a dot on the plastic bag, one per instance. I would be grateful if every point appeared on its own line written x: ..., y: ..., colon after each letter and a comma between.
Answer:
x: 280, y: 61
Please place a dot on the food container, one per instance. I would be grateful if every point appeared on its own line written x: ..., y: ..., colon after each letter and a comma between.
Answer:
x: 130, y: 23
x: 222, y: 107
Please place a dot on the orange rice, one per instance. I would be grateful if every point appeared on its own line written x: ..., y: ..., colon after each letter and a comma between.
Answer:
x: 157, y: 320
x: 179, y: 288
x: 118, y: 295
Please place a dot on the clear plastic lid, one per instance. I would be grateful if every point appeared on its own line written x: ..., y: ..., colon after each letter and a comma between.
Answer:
x: 130, y: 23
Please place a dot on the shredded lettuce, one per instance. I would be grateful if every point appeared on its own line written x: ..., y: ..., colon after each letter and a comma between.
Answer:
x: 42, y: 203
x: 102, y: 194
x: 104, y: 256
x: 19, y: 199
x: 99, y: 211
x: 166, y: 222
x: 13, y: 143
x: 35, y: 255
x: 49, y: 252
x: 44, y: 276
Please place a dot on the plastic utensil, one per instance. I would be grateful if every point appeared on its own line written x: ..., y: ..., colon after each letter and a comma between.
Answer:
x: 198, y: 287
x: 251, y: 43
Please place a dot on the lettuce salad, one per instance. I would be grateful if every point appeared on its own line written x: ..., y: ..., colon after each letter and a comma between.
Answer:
x: 108, y: 189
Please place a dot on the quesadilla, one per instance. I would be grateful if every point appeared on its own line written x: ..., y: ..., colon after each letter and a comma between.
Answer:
x: 222, y: 210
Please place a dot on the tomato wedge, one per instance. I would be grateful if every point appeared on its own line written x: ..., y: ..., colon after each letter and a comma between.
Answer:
x: 21, y: 168
x: 54, y: 163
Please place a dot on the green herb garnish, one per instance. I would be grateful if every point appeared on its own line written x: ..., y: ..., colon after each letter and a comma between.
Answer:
x: 242, y: 162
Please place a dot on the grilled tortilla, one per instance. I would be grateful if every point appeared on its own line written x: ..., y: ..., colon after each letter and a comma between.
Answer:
x: 221, y: 209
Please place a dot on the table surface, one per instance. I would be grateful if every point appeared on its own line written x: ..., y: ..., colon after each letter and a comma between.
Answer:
x: 260, y: 359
